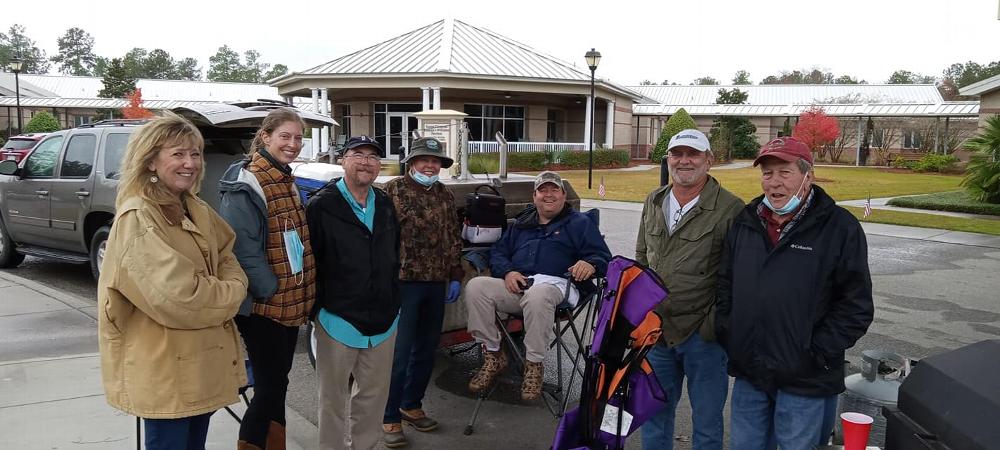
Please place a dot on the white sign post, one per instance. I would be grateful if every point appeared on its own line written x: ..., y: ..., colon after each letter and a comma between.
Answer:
x: 444, y: 125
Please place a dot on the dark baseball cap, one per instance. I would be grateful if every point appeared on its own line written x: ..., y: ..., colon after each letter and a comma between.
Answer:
x: 429, y: 147
x: 363, y: 141
x: 786, y: 149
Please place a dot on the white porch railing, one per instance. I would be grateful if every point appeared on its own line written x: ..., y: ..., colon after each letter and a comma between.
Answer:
x: 514, y: 147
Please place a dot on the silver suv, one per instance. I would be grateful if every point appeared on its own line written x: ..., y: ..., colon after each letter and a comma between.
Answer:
x: 59, y: 201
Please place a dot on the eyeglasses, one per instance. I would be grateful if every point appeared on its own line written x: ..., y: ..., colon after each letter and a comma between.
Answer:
x: 677, y: 216
x: 362, y: 158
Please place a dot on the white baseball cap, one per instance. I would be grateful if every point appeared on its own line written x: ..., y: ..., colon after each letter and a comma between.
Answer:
x: 690, y: 138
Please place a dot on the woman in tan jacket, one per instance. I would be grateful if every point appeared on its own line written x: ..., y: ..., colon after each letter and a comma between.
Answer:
x: 168, y: 291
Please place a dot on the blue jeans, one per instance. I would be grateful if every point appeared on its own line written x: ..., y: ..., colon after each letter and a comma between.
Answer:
x: 704, y: 365
x: 788, y: 421
x: 188, y: 433
x: 420, y: 318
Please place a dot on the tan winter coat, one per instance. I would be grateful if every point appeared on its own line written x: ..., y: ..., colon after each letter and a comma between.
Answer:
x: 169, y: 289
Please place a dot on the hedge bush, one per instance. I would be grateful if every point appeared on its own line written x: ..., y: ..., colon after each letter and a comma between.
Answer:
x: 536, y: 161
x: 954, y: 201
x: 678, y: 122
x: 603, y: 158
x: 42, y: 122
x: 935, y: 163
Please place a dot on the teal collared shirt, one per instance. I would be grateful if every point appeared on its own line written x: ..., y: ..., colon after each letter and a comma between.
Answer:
x: 336, y: 326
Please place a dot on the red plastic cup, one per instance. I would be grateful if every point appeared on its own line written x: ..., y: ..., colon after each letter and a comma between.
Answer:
x: 856, y: 427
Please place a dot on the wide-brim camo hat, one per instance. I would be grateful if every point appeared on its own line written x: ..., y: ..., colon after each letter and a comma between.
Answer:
x: 429, y: 147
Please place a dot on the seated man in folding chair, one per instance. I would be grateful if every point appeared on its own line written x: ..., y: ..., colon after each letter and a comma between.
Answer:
x: 528, y: 264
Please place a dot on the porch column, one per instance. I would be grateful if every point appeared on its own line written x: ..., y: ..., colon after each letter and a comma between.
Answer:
x: 437, y: 97
x: 937, y: 132
x: 861, y: 137
x: 586, y: 124
x: 315, y: 99
x: 427, y: 98
x: 324, y: 103
x: 947, y: 121
x: 286, y: 99
x: 609, y: 126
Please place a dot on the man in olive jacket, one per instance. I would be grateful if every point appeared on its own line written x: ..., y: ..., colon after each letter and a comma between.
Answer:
x: 680, y: 237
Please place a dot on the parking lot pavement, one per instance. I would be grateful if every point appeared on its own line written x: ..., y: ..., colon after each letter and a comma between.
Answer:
x: 934, y: 291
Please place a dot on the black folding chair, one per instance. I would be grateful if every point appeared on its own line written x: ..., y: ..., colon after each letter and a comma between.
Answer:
x: 555, y: 396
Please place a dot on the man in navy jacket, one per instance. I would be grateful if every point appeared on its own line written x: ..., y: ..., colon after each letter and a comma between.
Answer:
x: 528, y: 264
x: 795, y: 292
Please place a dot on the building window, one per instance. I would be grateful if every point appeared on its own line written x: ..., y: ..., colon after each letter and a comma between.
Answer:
x: 553, y: 126
x: 485, y: 120
x: 911, y: 139
x: 877, y: 135
x: 345, y: 120
x: 81, y: 120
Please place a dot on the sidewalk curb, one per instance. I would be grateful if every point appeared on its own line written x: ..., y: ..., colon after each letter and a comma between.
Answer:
x: 72, y: 300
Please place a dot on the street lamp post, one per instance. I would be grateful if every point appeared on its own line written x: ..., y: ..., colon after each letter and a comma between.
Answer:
x: 15, y: 66
x: 593, y: 58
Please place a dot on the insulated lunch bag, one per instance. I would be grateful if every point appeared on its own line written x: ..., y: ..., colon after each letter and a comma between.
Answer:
x: 485, y: 216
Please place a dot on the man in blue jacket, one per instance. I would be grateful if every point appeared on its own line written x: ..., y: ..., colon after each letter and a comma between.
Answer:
x: 794, y: 293
x: 528, y: 264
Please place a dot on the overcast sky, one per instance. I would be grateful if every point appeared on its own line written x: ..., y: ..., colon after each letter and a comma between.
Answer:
x: 676, y: 40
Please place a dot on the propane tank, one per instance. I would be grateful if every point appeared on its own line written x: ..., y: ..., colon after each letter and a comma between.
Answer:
x: 876, y: 386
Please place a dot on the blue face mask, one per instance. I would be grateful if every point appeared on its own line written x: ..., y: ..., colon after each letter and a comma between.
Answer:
x: 792, y: 205
x: 423, y: 179
x: 294, y: 250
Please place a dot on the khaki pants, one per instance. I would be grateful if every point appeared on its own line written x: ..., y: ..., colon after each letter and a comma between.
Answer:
x: 351, y: 417
x: 483, y: 295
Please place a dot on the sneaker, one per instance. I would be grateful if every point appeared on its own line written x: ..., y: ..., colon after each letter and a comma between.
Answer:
x: 392, y: 435
x: 493, y: 364
x: 418, y: 419
x: 531, y: 387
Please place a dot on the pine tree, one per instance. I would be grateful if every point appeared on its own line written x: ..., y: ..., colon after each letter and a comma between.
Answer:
x: 117, y: 81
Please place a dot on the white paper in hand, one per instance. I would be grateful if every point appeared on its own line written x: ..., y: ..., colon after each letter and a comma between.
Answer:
x: 610, y: 422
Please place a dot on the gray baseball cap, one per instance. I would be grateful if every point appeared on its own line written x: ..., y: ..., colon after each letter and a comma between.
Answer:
x: 549, y: 177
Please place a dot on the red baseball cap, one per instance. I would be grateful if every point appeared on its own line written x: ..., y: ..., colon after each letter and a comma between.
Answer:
x: 785, y: 148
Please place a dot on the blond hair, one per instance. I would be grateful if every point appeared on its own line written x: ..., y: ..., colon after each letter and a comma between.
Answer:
x: 276, y: 118
x: 143, y: 148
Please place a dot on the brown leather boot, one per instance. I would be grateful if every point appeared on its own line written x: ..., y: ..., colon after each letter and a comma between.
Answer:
x: 493, y: 364
x: 275, y: 436
x: 531, y: 387
x: 244, y: 445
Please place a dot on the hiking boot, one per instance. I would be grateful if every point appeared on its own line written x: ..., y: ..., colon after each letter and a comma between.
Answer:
x: 275, y: 436
x: 244, y: 445
x: 531, y: 387
x: 493, y: 364
x: 418, y: 419
x: 392, y: 435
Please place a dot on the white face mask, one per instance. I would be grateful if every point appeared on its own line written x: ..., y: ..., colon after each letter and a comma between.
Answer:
x: 423, y: 179
x: 294, y: 250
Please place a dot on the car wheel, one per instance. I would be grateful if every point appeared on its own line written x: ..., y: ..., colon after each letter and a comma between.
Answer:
x: 9, y: 257
x: 97, y: 246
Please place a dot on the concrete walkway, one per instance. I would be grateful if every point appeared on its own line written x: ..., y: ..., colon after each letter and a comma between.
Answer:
x: 57, y: 401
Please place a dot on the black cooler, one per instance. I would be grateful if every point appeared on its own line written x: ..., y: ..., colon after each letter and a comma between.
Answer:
x: 950, y: 401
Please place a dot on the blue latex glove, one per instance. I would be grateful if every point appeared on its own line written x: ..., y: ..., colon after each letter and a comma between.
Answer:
x: 453, y: 289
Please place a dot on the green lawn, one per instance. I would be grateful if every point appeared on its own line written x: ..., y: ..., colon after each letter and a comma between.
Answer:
x: 842, y: 183
x: 956, y: 201
x: 986, y: 226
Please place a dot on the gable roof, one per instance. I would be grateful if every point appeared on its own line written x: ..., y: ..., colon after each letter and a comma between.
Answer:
x: 796, y: 94
x: 981, y: 87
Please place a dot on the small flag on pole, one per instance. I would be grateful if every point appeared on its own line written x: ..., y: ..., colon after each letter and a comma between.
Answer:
x: 600, y: 189
x: 868, y: 206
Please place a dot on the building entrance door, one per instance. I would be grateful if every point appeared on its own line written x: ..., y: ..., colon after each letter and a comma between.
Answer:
x: 400, y: 126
